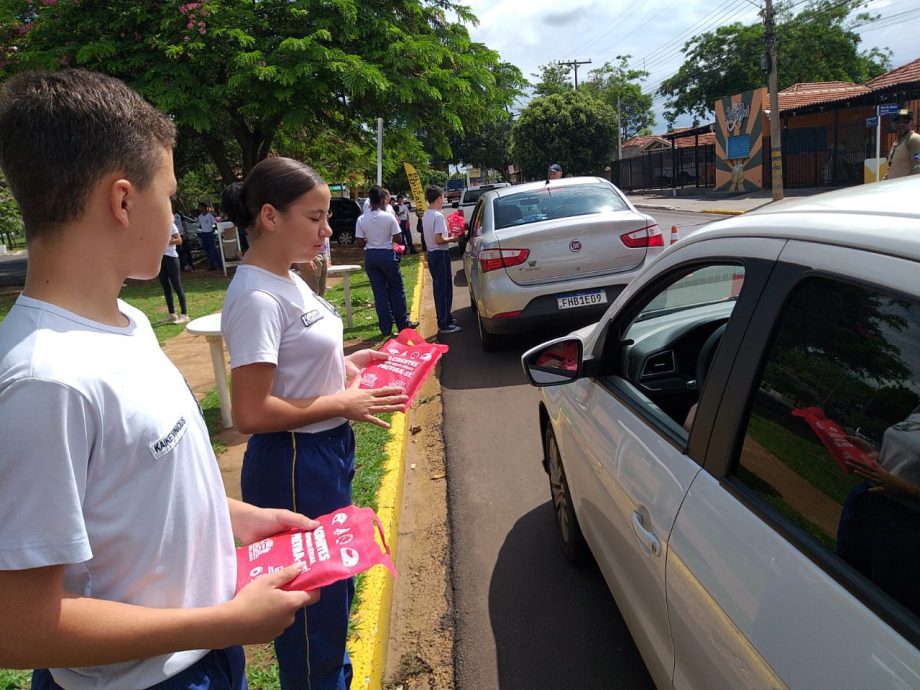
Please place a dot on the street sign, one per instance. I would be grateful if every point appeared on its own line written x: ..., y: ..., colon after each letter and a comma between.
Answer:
x: 871, y: 121
x: 888, y: 109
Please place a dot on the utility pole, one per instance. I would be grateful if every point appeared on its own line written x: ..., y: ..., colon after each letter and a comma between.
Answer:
x: 379, y: 150
x: 776, y: 145
x: 619, y: 131
x: 574, y: 64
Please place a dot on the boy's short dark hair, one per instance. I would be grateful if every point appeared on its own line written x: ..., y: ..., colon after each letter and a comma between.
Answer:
x: 61, y: 132
x: 433, y: 193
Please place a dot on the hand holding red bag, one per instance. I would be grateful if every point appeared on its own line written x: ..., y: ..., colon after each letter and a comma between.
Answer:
x: 341, y: 547
x: 411, y: 360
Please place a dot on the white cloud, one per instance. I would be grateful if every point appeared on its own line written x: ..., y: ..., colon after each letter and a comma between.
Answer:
x: 530, y: 33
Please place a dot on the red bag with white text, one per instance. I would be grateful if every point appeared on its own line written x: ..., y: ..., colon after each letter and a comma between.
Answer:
x: 411, y: 360
x: 341, y: 547
x: 834, y: 438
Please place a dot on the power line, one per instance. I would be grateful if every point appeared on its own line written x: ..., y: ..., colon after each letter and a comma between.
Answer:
x: 575, y: 64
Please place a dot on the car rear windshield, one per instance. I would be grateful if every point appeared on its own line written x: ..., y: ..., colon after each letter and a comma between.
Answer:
x: 555, y: 202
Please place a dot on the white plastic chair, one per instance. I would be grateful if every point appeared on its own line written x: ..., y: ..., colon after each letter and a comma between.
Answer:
x: 229, y: 241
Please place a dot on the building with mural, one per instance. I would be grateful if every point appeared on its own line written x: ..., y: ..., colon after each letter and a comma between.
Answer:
x: 834, y: 134
x: 739, y: 127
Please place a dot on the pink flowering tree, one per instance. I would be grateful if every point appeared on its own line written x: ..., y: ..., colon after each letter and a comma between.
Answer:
x: 240, y: 76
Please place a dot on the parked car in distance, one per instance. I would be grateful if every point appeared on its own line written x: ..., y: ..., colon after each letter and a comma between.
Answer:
x: 737, y: 443
x: 345, y: 213
x: 470, y: 196
x: 550, y: 252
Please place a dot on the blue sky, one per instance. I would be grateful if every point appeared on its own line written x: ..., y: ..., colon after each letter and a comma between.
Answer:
x: 530, y: 33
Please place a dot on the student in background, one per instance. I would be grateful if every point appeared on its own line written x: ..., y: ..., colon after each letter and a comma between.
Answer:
x: 207, y: 233
x: 438, y: 240
x: 375, y: 232
x: 402, y: 215
x: 170, y: 278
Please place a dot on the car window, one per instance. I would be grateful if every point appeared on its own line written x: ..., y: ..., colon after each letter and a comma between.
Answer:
x: 476, y: 221
x: 472, y: 196
x: 556, y: 202
x: 833, y: 439
x: 665, y: 351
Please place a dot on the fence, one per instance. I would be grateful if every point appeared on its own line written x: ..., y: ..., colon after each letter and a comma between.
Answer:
x: 692, y: 166
x: 823, y: 157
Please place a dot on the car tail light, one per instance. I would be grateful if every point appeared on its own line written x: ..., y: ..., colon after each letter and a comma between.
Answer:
x: 649, y: 236
x: 508, y: 315
x: 492, y: 259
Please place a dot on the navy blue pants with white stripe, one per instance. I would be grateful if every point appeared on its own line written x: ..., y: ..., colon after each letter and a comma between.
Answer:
x: 310, y: 474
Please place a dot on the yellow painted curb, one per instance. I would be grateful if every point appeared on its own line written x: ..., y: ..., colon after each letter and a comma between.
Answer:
x: 723, y: 212
x: 368, y: 647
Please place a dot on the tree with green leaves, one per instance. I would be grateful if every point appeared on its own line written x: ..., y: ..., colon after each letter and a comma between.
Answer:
x: 573, y: 129
x: 620, y: 87
x: 237, y: 73
x: 552, y: 78
x: 487, y: 148
x: 817, y: 44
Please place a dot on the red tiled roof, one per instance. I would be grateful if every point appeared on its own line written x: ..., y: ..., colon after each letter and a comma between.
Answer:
x: 899, y: 75
x: 642, y: 141
x: 802, y: 95
x: 690, y: 141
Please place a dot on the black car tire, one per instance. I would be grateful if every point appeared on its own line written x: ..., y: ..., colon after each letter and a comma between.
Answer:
x: 345, y: 237
x: 490, y: 341
x: 573, y: 542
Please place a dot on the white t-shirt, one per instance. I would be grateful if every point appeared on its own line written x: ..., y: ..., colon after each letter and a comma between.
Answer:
x: 367, y: 208
x: 403, y: 211
x: 434, y: 223
x: 171, y: 248
x: 267, y: 318
x: 378, y: 228
x: 106, y: 466
x: 207, y: 222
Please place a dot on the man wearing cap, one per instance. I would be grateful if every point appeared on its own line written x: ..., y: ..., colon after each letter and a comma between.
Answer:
x: 904, y: 157
x: 554, y: 172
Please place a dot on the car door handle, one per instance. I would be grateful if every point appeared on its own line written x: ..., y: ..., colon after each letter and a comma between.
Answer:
x: 648, y: 538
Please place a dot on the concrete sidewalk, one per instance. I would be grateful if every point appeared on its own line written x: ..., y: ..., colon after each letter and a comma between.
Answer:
x: 707, y: 201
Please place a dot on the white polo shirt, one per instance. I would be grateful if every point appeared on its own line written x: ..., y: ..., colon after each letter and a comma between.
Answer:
x: 280, y: 321
x: 378, y: 228
x: 106, y: 467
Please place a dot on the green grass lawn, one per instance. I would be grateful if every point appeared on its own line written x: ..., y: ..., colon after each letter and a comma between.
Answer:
x: 205, y: 294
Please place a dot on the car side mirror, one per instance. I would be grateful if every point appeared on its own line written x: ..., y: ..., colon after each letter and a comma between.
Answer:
x: 554, y: 363
x: 455, y: 204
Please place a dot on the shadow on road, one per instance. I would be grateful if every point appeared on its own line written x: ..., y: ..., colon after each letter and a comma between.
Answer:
x: 533, y: 588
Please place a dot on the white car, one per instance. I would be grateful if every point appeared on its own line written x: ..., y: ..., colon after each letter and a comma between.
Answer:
x: 551, y: 252
x: 737, y: 443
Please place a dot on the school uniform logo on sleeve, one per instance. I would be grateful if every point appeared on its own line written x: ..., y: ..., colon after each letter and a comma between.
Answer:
x: 165, y: 444
x: 311, y: 317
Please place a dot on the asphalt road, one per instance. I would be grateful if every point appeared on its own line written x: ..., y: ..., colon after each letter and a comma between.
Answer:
x: 525, y: 617
x: 12, y: 270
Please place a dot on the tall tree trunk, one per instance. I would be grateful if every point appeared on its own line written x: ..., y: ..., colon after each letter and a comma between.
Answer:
x: 218, y: 154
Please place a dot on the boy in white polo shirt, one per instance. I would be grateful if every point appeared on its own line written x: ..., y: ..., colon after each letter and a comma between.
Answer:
x: 438, y: 241
x: 117, y: 559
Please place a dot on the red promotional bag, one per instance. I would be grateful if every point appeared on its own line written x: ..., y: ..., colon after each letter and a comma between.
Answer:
x: 456, y: 225
x: 342, y: 546
x: 834, y: 438
x: 411, y: 360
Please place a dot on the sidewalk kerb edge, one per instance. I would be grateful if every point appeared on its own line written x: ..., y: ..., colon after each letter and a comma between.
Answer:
x: 368, y: 650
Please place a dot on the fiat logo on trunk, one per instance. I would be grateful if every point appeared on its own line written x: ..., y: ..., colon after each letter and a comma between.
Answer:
x: 575, y: 246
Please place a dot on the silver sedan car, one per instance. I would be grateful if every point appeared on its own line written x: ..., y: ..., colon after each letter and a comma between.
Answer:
x: 737, y: 443
x: 550, y: 252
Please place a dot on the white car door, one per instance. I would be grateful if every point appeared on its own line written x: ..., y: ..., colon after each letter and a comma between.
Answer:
x: 783, y: 568
x: 621, y: 437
